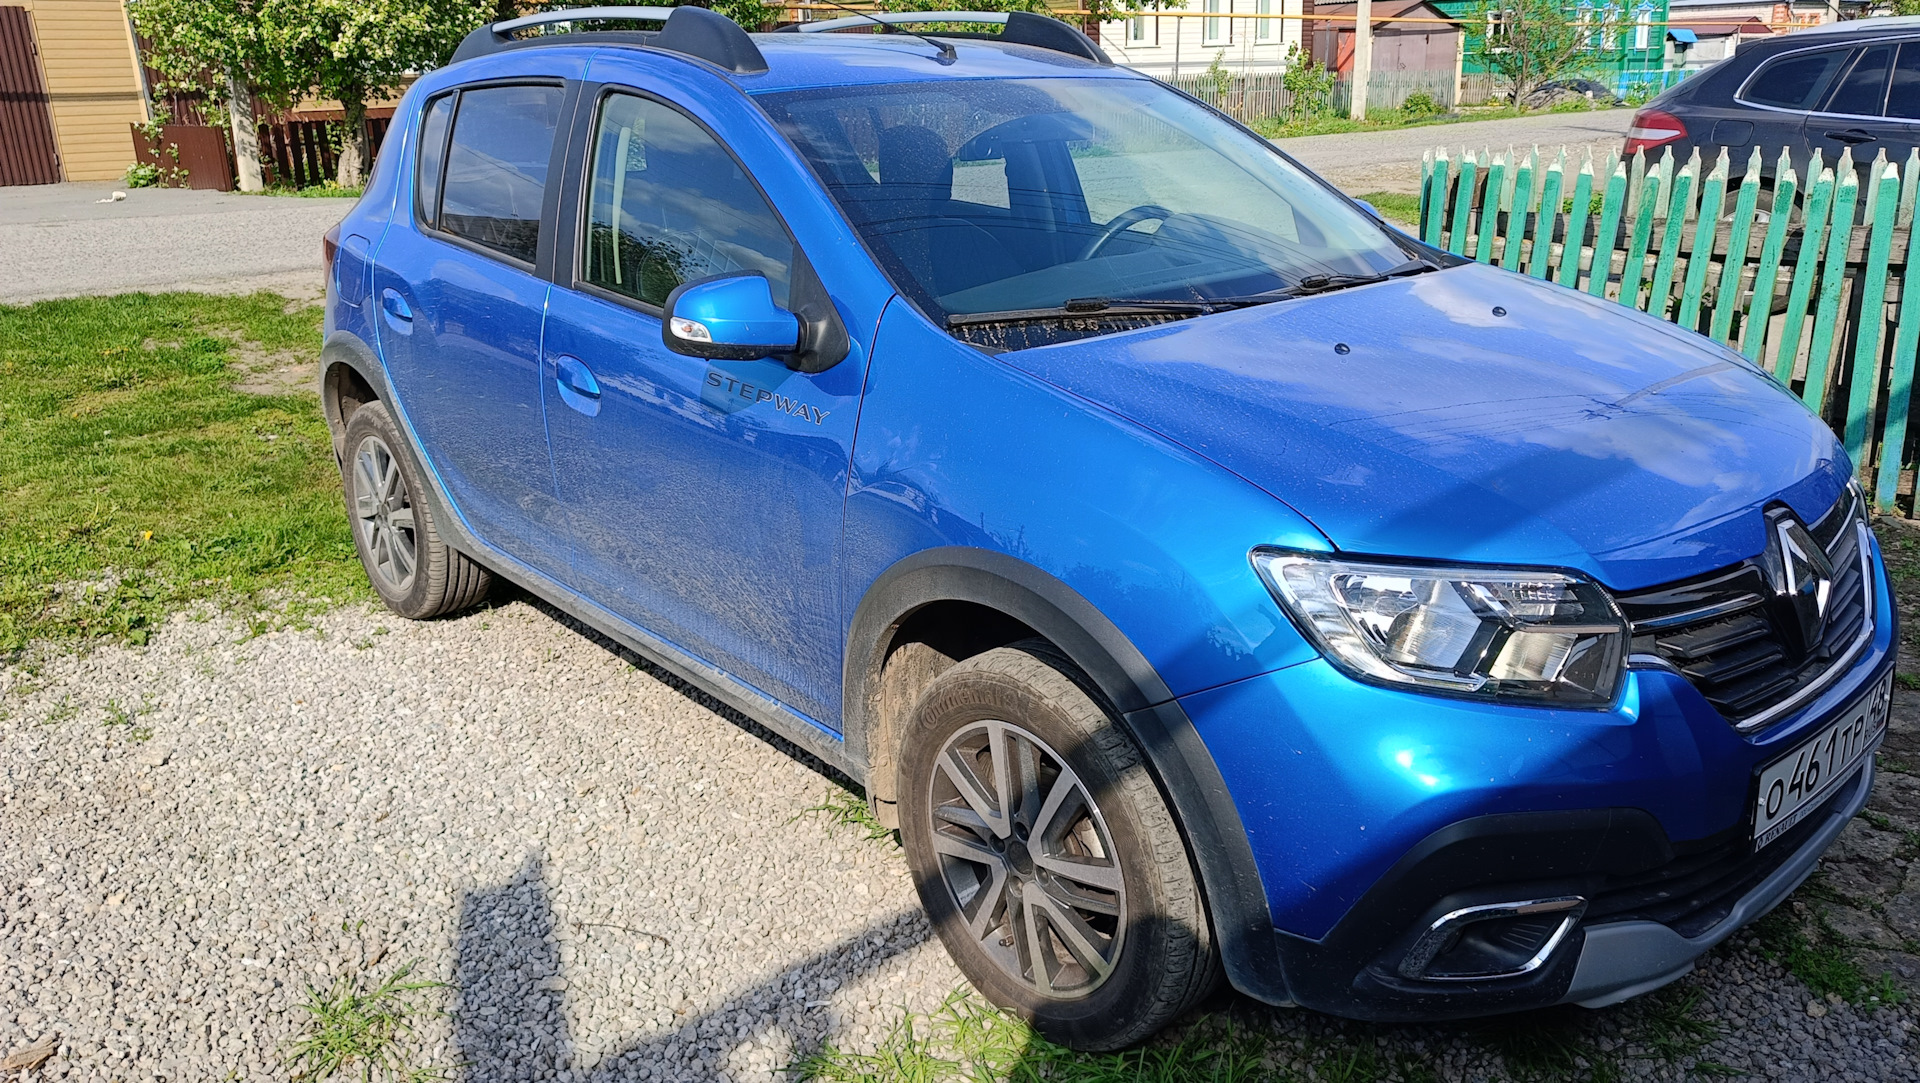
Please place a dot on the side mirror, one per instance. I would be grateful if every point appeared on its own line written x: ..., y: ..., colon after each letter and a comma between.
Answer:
x: 729, y: 318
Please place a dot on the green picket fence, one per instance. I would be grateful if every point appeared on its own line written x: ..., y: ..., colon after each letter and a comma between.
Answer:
x: 1819, y: 293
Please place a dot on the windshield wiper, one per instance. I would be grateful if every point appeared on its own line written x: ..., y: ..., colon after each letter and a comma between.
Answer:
x: 1323, y: 283
x: 1198, y: 306
x: 1094, y: 306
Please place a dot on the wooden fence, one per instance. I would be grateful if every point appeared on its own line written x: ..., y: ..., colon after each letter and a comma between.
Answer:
x: 1816, y: 279
x: 1251, y: 96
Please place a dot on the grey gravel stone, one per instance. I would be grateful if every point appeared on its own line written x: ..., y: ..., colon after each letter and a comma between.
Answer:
x: 618, y: 880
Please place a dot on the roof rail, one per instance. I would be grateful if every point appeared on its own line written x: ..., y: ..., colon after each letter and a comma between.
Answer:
x: 1022, y: 28
x: 689, y: 31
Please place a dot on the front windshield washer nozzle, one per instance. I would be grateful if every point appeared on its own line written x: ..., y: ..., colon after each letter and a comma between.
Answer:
x: 1342, y: 348
x: 1499, y: 311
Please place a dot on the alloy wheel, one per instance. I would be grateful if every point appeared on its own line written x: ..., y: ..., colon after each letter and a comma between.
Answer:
x: 383, y: 513
x: 1028, y: 858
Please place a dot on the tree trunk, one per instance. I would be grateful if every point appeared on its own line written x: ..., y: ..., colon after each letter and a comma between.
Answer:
x: 353, y: 143
x: 246, y: 134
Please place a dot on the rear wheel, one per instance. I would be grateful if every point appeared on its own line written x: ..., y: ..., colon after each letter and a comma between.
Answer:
x: 1050, y: 865
x: 414, y: 572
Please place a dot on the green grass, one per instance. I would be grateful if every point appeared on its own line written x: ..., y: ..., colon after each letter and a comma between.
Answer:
x: 1822, y: 958
x: 362, y: 1031
x: 138, y: 480
x: 317, y: 191
x: 849, y: 809
x: 1380, y: 120
x: 1395, y: 206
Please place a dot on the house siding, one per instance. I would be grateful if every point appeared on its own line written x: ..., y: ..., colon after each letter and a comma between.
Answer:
x: 94, y: 90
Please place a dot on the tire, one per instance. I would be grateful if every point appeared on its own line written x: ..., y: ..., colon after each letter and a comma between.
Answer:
x: 415, y: 573
x: 1146, y: 952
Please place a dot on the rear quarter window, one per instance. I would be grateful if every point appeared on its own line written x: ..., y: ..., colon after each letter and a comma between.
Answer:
x: 1796, y: 82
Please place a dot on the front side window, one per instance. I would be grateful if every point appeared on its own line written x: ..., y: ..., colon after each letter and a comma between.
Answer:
x: 433, y: 155
x: 1863, y: 93
x: 1796, y: 82
x: 1903, y: 93
x: 994, y: 196
x: 669, y: 205
x: 497, y: 166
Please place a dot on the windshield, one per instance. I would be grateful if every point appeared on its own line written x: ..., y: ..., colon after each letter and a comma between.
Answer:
x: 994, y: 202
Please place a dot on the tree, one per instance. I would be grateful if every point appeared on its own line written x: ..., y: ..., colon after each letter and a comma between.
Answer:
x: 352, y: 50
x: 226, y: 49
x: 1525, y: 43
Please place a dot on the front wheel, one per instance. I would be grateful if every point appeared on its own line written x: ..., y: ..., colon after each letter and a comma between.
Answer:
x: 1045, y: 856
x: 414, y: 572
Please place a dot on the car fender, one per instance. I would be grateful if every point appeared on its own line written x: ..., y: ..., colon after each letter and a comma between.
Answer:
x: 1180, y: 762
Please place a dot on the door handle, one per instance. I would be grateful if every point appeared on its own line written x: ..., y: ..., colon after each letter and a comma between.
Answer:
x: 1852, y: 135
x: 576, y: 385
x: 398, y: 313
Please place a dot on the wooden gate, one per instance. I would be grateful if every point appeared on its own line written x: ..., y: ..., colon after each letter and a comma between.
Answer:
x: 27, y: 151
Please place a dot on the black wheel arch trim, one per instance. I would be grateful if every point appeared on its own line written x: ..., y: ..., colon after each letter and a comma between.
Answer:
x: 1236, y: 899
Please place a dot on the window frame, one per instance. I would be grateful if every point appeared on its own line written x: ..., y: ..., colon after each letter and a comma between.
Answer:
x: 1853, y: 65
x: 1740, y: 95
x: 586, y: 131
x: 549, y: 196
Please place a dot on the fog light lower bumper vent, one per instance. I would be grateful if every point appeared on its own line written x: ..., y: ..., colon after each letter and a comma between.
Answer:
x: 1499, y: 940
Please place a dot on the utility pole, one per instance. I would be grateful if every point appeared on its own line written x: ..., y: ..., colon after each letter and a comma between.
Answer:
x: 1362, y: 57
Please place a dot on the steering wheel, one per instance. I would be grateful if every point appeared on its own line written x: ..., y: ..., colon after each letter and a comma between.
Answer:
x: 1124, y: 221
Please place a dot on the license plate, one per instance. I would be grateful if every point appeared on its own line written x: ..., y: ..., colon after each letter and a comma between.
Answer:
x: 1792, y: 786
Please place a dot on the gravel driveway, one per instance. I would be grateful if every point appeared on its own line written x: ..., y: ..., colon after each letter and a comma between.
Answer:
x: 60, y: 241
x: 617, y: 879
x: 1363, y: 162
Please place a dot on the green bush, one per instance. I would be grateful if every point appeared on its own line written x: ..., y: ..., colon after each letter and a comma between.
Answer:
x: 141, y: 175
x: 1420, y: 104
x: 1640, y: 94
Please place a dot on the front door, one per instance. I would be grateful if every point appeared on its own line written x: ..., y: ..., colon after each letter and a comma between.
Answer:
x: 461, y: 310
x: 705, y: 497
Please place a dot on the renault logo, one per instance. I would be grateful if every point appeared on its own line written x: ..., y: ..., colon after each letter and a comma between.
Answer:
x: 1802, y: 580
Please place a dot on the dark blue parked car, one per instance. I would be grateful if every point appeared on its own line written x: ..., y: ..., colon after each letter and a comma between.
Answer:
x: 1205, y: 577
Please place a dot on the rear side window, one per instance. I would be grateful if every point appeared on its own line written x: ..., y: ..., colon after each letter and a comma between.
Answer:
x: 1796, y: 82
x: 433, y: 155
x: 1863, y: 93
x: 670, y: 205
x: 1903, y: 94
x: 497, y: 167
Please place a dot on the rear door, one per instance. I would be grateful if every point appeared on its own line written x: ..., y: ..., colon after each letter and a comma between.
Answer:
x: 1855, y: 115
x: 462, y: 305
x: 1781, y: 94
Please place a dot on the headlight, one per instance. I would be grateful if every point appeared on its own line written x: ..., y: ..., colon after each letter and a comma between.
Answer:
x: 1501, y: 633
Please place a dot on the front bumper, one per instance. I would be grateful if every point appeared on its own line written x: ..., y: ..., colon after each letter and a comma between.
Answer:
x: 1373, y: 812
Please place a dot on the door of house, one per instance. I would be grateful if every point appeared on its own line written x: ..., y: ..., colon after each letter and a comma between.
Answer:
x: 27, y: 151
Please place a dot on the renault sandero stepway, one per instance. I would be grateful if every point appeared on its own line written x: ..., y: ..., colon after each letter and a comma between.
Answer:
x: 1208, y: 580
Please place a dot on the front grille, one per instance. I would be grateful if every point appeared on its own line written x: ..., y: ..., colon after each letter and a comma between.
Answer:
x: 1701, y: 885
x: 1723, y: 631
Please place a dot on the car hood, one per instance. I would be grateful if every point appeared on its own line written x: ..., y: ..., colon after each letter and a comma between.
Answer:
x: 1476, y: 415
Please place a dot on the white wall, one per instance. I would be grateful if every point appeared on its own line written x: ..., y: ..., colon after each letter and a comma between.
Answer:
x: 1239, y: 43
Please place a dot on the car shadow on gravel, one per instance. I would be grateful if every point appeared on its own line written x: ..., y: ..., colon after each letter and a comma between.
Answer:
x: 505, y: 593
x: 509, y: 1012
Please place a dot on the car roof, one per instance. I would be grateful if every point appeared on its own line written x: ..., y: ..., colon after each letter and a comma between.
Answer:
x: 800, y: 61
x: 811, y: 61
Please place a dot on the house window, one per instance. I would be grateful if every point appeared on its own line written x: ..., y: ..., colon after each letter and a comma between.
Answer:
x: 1496, y: 30
x: 1642, y: 28
x: 1265, y: 29
x: 1216, y: 31
x: 1138, y: 32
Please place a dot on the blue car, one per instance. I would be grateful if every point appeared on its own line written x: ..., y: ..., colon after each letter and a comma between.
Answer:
x: 1208, y: 581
